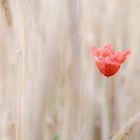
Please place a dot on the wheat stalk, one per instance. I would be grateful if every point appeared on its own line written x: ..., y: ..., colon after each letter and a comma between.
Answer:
x: 128, y: 128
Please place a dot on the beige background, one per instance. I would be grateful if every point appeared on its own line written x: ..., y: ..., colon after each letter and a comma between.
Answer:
x: 49, y: 87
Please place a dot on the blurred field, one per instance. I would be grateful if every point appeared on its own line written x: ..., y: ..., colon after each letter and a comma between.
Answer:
x: 49, y: 87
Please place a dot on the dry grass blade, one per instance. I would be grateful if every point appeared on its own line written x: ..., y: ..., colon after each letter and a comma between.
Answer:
x: 128, y: 128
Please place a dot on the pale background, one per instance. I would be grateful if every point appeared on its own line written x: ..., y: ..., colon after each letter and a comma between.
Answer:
x: 50, y: 88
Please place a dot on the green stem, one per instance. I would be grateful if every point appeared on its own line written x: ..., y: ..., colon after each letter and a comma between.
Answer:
x: 108, y: 107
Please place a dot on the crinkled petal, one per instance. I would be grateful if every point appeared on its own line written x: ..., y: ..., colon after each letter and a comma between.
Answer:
x: 107, y: 50
x: 95, y: 51
x: 121, y: 55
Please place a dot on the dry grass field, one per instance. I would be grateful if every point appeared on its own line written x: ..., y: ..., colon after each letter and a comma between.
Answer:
x: 50, y: 88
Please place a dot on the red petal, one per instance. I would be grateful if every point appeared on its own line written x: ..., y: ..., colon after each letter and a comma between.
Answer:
x: 101, y: 66
x: 108, y: 47
x: 110, y: 69
x: 121, y: 55
x: 95, y: 51
x: 108, y: 50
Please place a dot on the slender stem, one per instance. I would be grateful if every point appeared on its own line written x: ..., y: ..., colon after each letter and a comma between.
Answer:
x: 108, y: 107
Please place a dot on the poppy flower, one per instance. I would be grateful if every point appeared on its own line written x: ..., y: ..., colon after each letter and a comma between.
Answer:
x: 107, y: 60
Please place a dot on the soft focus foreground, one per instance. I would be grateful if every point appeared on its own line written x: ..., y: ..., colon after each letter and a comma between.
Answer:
x: 49, y: 87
